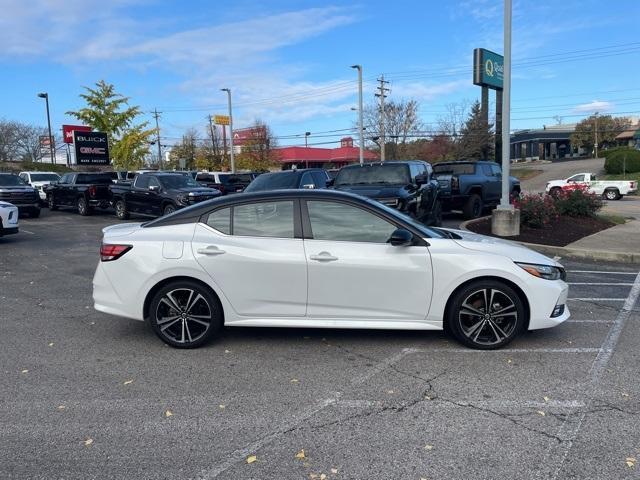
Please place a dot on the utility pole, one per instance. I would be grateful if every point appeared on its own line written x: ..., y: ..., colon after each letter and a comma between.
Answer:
x: 596, y: 132
x: 360, y: 126
x: 52, y: 146
x: 156, y: 115
x: 214, y: 148
x: 233, y: 162
x: 382, y: 96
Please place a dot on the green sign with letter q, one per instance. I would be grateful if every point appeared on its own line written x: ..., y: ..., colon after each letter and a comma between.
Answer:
x: 488, y: 68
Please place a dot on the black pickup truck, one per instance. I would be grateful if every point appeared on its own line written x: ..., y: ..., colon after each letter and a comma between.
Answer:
x: 81, y: 190
x: 14, y: 190
x: 471, y: 186
x: 405, y: 185
x: 158, y: 193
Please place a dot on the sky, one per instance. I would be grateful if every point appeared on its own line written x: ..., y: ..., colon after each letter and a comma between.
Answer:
x: 288, y: 62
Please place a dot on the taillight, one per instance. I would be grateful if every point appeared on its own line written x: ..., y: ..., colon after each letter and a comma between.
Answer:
x: 109, y: 252
x: 92, y: 190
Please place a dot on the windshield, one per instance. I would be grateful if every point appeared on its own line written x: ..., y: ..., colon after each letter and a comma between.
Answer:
x: 374, y: 174
x: 93, y: 178
x: 229, y: 179
x: 454, y: 169
x: 178, y: 181
x: 11, y: 181
x: 44, y: 177
x: 273, y: 181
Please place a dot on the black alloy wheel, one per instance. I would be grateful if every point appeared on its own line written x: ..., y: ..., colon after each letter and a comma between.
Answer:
x: 52, y: 202
x: 169, y: 209
x: 184, y: 314
x: 485, y: 315
x: 83, y: 207
x: 121, y: 210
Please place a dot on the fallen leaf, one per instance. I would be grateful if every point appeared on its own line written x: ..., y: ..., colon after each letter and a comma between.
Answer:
x: 428, y: 447
x: 390, y: 392
x: 88, y: 441
x: 294, y: 380
x: 51, y: 344
x: 626, y: 395
x: 61, y: 407
x: 334, y: 470
x: 427, y: 397
x: 540, y: 412
x: 221, y: 407
x: 322, y: 476
x: 227, y: 351
x: 509, y: 360
x: 128, y: 382
x: 25, y: 371
x: 251, y: 458
x: 300, y: 454
x: 168, y: 413
x: 306, y: 464
x: 630, y: 464
x: 313, y: 475
x: 631, y: 459
x: 546, y: 399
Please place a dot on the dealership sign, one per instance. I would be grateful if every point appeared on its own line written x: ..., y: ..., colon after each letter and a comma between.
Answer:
x: 488, y: 68
x: 221, y: 119
x: 92, y: 148
x: 67, y: 131
x: 250, y: 135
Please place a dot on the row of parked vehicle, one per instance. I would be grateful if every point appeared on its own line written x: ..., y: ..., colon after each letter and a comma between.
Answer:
x: 414, y: 187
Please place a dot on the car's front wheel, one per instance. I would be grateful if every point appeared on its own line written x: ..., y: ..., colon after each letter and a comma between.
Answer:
x: 168, y: 209
x: 121, y: 210
x: 83, y: 207
x: 185, y: 314
x: 485, y: 314
x: 52, y: 202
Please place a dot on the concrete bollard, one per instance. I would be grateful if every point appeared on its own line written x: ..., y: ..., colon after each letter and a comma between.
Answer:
x: 505, y: 222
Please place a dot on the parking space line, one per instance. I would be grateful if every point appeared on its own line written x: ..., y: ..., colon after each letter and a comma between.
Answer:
x: 598, y: 367
x: 589, y: 321
x: 496, y: 404
x: 625, y: 284
x: 22, y: 230
x: 602, y: 272
x: 383, y: 365
x: 508, y: 350
x: 597, y: 299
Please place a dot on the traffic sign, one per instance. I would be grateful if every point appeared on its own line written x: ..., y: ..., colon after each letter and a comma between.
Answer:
x: 221, y: 119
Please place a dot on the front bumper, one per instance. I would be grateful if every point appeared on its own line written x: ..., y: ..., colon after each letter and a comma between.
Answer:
x: 543, y: 308
x: 8, y: 231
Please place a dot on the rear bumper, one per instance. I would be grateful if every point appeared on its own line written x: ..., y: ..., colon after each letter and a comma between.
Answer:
x: 22, y: 207
x: 105, y: 297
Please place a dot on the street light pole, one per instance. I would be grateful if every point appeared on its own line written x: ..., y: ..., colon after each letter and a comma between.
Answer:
x: 596, y: 132
x: 233, y: 162
x: 360, y: 129
x: 506, y: 110
x: 51, y: 144
x: 306, y: 145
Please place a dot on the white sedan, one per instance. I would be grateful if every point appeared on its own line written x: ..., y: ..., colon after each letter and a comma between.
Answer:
x: 8, y: 218
x: 320, y: 258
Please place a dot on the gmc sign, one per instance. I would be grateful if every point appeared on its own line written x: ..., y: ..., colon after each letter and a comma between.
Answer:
x: 92, y: 148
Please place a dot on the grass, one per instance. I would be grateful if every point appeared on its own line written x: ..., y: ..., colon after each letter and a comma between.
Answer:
x: 525, y: 173
x: 617, y: 219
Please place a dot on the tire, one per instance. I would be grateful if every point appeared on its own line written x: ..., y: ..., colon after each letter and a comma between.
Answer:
x: 35, y: 213
x: 472, y: 326
x: 555, y: 191
x: 168, y: 209
x: 121, y: 210
x: 83, y: 207
x: 52, y: 203
x: 473, y: 207
x: 174, y: 320
x: 612, y: 194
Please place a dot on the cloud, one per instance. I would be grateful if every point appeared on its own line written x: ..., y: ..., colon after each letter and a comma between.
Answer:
x: 594, y: 106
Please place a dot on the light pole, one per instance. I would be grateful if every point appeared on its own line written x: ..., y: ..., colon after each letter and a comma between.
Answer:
x: 306, y: 145
x: 51, y: 144
x: 360, y: 129
x: 233, y: 162
x: 596, y: 132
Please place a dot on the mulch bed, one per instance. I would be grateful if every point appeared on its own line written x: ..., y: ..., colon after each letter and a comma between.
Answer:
x: 560, y: 233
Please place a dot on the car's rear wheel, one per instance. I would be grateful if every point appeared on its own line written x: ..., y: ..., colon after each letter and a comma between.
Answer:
x: 485, y: 314
x: 52, y: 202
x: 612, y: 194
x: 121, y: 210
x: 555, y: 191
x: 184, y: 314
x: 83, y: 207
x: 473, y: 207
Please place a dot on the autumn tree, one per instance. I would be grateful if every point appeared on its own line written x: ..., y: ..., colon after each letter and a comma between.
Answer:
x: 608, y: 128
x: 110, y: 112
x: 259, y: 152
x: 186, y: 150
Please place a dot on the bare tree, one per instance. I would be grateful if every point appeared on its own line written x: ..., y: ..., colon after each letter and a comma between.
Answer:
x: 401, y: 125
x: 9, y: 148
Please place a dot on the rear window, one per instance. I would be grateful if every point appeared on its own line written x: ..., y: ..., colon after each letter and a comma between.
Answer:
x: 392, y: 174
x: 44, y: 177
x: 94, y: 178
x: 231, y: 179
x: 454, y: 169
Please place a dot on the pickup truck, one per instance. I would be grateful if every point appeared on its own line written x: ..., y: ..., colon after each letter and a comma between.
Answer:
x: 15, y: 191
x: 158, y: 193
x: 226, y: 182
x: 609, y: 189
x: 38, y: 180
x: 407, y: 186
x: 471, y: 186
x: 81, y: 190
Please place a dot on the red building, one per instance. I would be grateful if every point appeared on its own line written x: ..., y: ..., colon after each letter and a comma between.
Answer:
x: 303, y: 157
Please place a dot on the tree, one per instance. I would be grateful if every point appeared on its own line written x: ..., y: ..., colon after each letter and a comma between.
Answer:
x: 476, y: 140
x: 401, y: 123
x: 8, y: 140
x: 608, y: 127
x: 110, y: 112
x: 186, y: 150
x: 258, y: 153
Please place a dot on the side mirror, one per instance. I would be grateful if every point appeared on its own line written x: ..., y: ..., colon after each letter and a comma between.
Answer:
x: 154, y: 188
x: 308, y: 186
x: 400, y: 238
x: 331, y: 182
x: 421, y: 179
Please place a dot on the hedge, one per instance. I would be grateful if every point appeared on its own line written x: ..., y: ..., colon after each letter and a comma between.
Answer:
x: 627, y: 157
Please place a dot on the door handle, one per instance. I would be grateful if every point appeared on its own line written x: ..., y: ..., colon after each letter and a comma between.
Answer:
x: 323, y: 257
x: 210, y: 250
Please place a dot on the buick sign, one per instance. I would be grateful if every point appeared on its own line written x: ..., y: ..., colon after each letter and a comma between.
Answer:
x: 92, y: 148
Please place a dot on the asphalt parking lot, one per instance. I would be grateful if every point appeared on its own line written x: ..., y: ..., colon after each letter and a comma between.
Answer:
x: 85, y: 395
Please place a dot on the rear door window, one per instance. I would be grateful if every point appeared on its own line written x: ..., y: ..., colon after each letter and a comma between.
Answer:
x: 264, y: 219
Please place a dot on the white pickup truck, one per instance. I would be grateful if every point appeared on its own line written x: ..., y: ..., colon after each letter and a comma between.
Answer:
x: 609, y: 189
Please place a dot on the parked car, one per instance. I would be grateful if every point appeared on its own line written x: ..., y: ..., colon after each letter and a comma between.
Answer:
x: 8, y: 218
x: 321, y: 258
x: 81, y: 190
x: 472, y: 186
x: 226, y: 182
x: 289, y: 179
x: 609, y: 189
x: 158, y: 193
x: 14, y: 190
x: 405, y: 185
x: 38, y: 180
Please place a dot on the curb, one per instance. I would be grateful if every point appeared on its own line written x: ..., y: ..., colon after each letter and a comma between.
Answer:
x: 608, y: 256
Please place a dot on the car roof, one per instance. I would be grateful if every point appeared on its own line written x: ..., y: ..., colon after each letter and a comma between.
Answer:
x: 37, y: 171
x: 382, y: 164
x: 462, y: 162
x: 8, y: 173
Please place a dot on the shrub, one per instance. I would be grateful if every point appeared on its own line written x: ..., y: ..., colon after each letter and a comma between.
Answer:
x: 577, y: 201
x: 628, y: 158
x: 536, y: 210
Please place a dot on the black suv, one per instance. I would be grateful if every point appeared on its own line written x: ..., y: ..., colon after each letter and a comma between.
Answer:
x: 290, y: 179
x: 14, y: 190
x: 405, y: 185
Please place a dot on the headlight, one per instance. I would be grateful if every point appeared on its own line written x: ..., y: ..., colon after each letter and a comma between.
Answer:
x: 184, y: 199
x: 547, y: 272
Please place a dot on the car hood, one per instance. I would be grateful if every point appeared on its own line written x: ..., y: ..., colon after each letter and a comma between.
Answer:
x: 375, y: 191
x: 41, y: 183
x: 22, y: 188
x: 198, y: 191
x: 498, y: 246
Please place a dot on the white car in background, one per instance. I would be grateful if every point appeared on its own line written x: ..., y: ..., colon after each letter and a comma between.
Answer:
x: 609, y: 189
x: 8, y: 218
x: 38, y: 180
x: 325, y: 259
